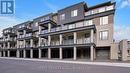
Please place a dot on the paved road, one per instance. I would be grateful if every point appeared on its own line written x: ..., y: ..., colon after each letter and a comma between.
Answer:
x: 23, y: 66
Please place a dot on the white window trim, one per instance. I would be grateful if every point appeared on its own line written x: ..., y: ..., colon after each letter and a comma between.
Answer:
x: 74, y: 13
x: 102, y: 36
x: 104, y: 20
x: 62, y: 16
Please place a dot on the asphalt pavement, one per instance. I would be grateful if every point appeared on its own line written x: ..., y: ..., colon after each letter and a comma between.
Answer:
x: 25, y: 66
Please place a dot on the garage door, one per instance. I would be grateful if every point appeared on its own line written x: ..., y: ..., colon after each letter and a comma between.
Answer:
x: 102, y: 54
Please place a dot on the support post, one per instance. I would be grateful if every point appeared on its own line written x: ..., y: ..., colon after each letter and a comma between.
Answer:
x: 75, y: 53
x: 49, y: 53
x: 61, y: 53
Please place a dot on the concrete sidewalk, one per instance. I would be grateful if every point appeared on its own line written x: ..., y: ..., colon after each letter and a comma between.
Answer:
x: 75, y: 62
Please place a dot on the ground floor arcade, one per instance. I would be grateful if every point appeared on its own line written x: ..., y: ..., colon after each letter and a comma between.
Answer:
x: 89, y: 53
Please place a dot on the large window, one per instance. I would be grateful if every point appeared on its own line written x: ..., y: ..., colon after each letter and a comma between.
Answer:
x: 103, y: 35
x: 36, y: 24
x: 74, y: 13
x: 62, y: 16
x: 104, y: 20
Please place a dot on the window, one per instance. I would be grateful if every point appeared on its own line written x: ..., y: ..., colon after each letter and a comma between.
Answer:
x: 103, y: 35
x: 74, y: 13
x: 104, y: 20
x: 36, y: 24
x: 62, y: 16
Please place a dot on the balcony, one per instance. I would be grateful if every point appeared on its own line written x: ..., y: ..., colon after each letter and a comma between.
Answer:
x: 9, y: 31
x: 44, y: 44
x: 53, y: 43
x: 1, y: 40
x: 70, y: 27
x: 44, y: 23
x: 28, y: 36
x: 20, y: 37
x: 25, y: 26
x: 27, y: 46
x: 68, y: 42
x: 83, y: 41
x: 21, y: 46
x: 44, y: 31
x: 99, y: 10
x: 10, y: 39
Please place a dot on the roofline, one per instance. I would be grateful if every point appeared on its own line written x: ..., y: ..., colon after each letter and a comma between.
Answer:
x: 101, y: 4
x: 72, y: 6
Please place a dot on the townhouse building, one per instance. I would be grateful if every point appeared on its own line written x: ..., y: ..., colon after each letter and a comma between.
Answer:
x: 75, y: 32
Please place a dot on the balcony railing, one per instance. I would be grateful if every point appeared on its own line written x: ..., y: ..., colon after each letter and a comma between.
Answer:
x: 44, y: 44
x: 27, y: 45
x: 55, y: 43
x: 21, y: 46
x: 44, y: 31
x: 22, y: 26
x: 99, y: 10
x: 83, y: 40
x: 68, y: 27
x: 28, y: 35
x: 20, y: 36
x: 68, y: 42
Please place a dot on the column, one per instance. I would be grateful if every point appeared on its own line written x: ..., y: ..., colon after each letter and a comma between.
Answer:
x: 4, y: 46
x: 8, y: 53
x: 31, y: 53
x: 24, y: 45
x: 49, y: 53
x: 61, y: 39
x: 18, y: 53
x: 17, y: 44
x: 39, y: 53
x: 75, y: 37
x: 61, y: 53
x: 92, y: 36
x: 49, y: 27
x: 75, y: 53
x: 24, y: 36
x: 24, y: 53
x: 39, y: 29
x: 17, y: 40
x: 9, y: 42
x: 39, y: 42
x: 0, y: 54
x: 75, y: 49
x: 3, y: 53
x: 49, y: 40
x: 92, y: 53
x: 31, y: 42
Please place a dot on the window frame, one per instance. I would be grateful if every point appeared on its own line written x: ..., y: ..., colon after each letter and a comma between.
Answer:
x: 74, y: 13
x: 103, y: 35
x: 104, y: 20
x: 62, y: 16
